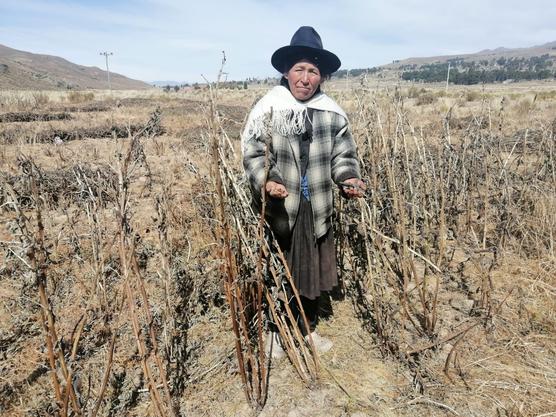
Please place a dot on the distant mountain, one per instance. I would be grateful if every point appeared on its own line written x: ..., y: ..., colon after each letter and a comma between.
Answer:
x: 20, y: 70
x: 486, y: 54
x: 486, y: 66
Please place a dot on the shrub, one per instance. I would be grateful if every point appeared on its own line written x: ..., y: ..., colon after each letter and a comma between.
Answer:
x: 426, y: 98
x: 471, y: 95
x: 40, y: 98
x: 415, y: 92
x: 546, y: 95
x: 524, y: 107
x: 80, y: 97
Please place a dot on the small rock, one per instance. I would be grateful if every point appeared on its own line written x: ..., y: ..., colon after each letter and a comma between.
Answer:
x: 463, y: 305
x: 447, y: 348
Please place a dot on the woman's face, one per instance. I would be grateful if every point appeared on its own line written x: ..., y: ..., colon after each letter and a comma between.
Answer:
x: 303, y: 79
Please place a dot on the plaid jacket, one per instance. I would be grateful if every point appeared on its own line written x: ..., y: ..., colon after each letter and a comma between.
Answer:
x: 332, y: 158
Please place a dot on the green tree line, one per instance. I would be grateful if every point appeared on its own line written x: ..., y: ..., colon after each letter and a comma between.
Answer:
x: 484, y: 71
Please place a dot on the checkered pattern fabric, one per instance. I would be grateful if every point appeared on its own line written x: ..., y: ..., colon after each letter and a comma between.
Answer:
x: 332, y: 159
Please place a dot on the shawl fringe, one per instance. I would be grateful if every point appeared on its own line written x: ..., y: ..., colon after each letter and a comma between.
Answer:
x: 278, y: 111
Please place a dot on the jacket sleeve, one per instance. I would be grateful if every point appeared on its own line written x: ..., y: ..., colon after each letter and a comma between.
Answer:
x: 344, y: 161
x: 254, y: 160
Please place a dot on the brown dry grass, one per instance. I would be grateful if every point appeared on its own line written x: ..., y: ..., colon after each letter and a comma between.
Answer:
x: 504, y: 365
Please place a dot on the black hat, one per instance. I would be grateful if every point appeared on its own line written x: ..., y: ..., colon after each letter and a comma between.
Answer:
x: 305, y: 43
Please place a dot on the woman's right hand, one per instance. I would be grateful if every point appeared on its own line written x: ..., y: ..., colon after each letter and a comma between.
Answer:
x: 276, y: 190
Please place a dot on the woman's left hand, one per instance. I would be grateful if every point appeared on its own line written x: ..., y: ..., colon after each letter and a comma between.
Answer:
x: 353, y: 188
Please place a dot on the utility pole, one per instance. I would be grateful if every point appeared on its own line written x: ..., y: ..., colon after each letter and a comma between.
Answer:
x: 448, y: 77
x: 106, y: 54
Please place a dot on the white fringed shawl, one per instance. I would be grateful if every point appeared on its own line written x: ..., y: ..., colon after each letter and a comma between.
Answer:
x: 288, y: 113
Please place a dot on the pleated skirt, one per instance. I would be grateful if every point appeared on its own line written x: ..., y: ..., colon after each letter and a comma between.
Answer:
x: 312, y: 263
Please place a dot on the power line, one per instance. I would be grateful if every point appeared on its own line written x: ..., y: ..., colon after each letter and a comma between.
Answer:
x: 106, y: 54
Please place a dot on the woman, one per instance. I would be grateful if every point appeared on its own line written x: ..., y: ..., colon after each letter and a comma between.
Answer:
x: 309, y: 148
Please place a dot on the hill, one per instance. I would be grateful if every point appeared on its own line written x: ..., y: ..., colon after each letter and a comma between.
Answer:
x: 27, y: 71
x: 489, y: 65
x: 486, y: 54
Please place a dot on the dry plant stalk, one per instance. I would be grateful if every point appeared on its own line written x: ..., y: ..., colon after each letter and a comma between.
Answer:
x: 278, y: 281
x: 106, y: 376
x: 29, y: 196
x: 255, y: 273
x: 32, y: 238
x: 94, y: 201
x: 277, y: 278
x: 175, y: 317
x: 129, y: 160
x: 426, y: 200
x: 252, y: 366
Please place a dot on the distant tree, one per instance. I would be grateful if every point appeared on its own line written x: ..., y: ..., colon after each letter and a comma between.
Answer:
x: 176, y: 88
x: 502, y: 69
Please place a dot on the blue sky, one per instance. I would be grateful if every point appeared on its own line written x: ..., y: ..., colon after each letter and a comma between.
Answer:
x: 180, y: 40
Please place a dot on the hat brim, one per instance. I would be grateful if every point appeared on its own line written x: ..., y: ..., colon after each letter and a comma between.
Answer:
x: 325, y: 60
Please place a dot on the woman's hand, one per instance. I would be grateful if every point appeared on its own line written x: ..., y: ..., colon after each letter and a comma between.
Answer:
x: 353, y: 188
x: 276, y: 190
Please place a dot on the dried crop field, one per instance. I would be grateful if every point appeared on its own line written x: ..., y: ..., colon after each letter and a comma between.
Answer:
x: 123, y: 217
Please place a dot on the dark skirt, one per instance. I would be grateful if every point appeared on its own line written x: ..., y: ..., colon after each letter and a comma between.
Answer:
x: 312, y: 264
